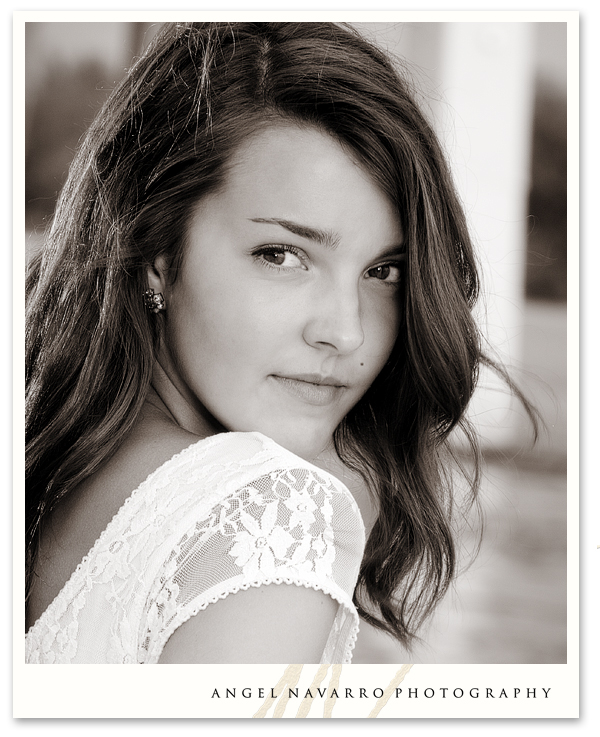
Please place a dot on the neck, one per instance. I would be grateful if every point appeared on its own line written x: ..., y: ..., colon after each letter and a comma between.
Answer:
x: 166, y: 397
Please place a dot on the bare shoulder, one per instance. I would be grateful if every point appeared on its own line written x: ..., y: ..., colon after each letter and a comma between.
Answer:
x: 153, y: 441
x: 275, y: 623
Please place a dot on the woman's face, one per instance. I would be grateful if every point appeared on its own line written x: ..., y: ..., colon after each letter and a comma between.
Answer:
x: 285, y: 307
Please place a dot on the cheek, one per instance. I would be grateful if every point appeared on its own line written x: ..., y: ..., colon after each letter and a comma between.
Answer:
x: 227, y: 326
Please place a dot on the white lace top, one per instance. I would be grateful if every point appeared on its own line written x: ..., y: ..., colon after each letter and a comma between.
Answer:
x: 232, y: 511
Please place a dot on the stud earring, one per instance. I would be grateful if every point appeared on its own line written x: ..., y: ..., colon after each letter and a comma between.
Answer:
x: 154, y: 302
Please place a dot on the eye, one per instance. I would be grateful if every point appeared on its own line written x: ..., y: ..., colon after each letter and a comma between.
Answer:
x: 388, y: 273
x: 279, y: 257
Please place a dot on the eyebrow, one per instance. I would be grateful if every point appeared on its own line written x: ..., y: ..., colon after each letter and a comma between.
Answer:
x: 323, y: 237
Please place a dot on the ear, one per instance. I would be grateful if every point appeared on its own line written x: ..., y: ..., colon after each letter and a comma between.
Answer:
x: 157, y: 275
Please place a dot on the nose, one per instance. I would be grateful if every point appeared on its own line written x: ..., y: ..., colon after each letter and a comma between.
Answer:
x: 335, y: 320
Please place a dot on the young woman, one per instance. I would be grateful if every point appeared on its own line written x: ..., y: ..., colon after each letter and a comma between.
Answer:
x: 257, y: 268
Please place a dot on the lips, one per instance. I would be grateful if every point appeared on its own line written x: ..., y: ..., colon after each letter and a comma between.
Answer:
x: 311, y: 388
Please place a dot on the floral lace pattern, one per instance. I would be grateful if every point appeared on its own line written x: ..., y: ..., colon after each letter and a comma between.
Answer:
x: 230, y: 512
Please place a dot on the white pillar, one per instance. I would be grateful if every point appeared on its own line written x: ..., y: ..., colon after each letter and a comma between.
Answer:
x: 487, y: 74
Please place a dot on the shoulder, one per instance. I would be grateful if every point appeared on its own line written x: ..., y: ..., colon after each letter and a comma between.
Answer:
x: 257, y: 472
x: 231, y: 460
x: 281, y: 534
x: 259, y: 501
x: 288, y: 492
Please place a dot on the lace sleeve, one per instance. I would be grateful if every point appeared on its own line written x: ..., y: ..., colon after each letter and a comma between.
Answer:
x: 290, y: 526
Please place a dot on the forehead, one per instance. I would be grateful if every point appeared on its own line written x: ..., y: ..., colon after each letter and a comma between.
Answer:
x: 288, y: 171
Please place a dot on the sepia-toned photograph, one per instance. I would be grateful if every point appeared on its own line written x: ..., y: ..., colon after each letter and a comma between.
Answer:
x: 296, y: 342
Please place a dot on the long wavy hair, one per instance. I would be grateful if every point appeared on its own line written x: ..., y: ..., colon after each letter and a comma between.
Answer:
x: 162, y: 141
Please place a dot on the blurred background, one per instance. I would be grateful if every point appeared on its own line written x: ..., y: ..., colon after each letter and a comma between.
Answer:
x: 497, y: 95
